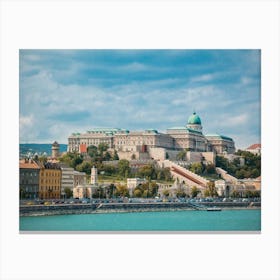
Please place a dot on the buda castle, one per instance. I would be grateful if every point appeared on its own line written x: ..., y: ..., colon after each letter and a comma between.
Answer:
x: 151, y: 144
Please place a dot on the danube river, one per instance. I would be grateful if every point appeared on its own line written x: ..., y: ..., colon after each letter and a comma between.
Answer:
x: 225, y: 220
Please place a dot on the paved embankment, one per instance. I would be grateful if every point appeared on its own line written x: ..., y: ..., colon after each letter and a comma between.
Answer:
x: 64, y: 209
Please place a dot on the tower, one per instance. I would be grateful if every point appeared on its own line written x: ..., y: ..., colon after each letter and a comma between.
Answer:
x: 194, y: 122
x: 55, y: 150
x: 93, y: 176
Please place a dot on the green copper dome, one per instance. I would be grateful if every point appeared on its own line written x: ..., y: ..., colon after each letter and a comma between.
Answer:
x: 194, y: 119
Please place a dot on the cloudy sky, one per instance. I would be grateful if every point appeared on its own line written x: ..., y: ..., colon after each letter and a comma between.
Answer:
x: 65, y: 91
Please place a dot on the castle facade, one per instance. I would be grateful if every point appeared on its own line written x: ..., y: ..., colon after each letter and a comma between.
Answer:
x: 144, y: 144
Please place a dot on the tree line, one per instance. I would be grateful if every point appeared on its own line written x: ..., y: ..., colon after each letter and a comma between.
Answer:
x: 250, y: 169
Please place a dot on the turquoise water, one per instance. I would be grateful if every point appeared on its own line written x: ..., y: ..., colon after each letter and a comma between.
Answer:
x: 226, y: 220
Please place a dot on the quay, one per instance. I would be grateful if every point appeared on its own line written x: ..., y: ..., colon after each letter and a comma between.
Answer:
x: 90, y: 208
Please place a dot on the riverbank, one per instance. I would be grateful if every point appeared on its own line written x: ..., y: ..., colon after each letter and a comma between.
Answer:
x: 70, y: 209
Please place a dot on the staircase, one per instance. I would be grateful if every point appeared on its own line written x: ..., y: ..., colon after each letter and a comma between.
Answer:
x: 226, y: 176
x: 182, y: 173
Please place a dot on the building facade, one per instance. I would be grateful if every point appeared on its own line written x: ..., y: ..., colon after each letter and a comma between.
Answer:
x: 79, y: 178
x: 50, y: 181
x: 139, y: 144
x: 83, y: 191
x: 29, y: 173
x: 254, y: 149
x: 67, y: 178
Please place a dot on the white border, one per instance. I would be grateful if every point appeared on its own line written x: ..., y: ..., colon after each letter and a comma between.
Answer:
x: 156, y: 24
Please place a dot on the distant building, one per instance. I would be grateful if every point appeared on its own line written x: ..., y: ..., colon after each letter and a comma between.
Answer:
x: 29, y: 172
x: 254, y: 183
x: 221, y: 143
x: 79, y: 178
x: 83, y: 191
x: 50, y: 181
x: 220, y: 186
x: 254, y: 149
x: 67, y: 178
x: 55, y: 150
x: 70, y: 178
x: 151, y: 144
x: 93, y: 176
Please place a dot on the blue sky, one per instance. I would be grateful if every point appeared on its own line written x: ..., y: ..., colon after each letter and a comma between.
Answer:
x: 65, y: 91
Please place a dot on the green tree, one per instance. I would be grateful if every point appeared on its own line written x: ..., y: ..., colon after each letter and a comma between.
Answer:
x: 42, y: 159
x: 68, y: 192
x: 147, y: 171
x: 248, y: 194
x: 210, y: 168
x: 102, y: 147
x: 107, y: 156
x: 194, y: 191
x: 206, y: 193
x: 92, y: 151
x: 212, y: 191
x: 196, y: 168
x: 98, y: 193
x: 109, y: 169
x: 123, y: 168
x: 165, y: 193
x: 122, y: 191
x: 137, y: 193
x: 167, y: 174
x: 84, y: 167
x: 251, y: 168
x: 235, y: 194
x: 115, y: 155
x: 256, y: 193
x: 180, y: 193
x: 181, y: 155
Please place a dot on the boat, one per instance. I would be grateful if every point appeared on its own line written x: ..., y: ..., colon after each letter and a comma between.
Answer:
x: 214, y: 209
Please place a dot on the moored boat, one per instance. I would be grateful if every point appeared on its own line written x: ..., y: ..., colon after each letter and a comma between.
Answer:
x: 214, y: 209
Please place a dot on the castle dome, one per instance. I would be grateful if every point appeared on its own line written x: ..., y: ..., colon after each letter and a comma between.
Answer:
x: 194, y: 119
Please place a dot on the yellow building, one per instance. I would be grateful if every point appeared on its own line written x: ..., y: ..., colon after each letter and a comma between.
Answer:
x: 50, y: 181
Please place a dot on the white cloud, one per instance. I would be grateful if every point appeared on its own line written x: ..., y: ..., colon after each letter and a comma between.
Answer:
x: 26, y: 120
x: 202, y: 78
x: 53, y: 94
x: 237, y: 120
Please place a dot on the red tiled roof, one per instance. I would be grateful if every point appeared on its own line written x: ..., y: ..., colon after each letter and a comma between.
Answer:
x: 28, y: 164
x: 254, y: 146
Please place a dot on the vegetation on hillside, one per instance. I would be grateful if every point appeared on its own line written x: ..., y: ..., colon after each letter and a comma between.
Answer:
x: 250, y: 169
x: 205, y: 170
x: 122, y: 170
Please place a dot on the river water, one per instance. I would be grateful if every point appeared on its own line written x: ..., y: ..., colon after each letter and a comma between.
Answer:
x: 225, y: 220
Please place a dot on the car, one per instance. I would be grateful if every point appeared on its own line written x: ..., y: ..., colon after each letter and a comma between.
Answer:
x: 30, y: 203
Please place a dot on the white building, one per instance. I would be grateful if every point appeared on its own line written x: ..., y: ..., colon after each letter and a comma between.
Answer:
x: 79, y: 178
x: 254, y: 149
x: 140, y: 144
x: 67, y: 178
x: 93, y: 176
x: 83, y: 191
